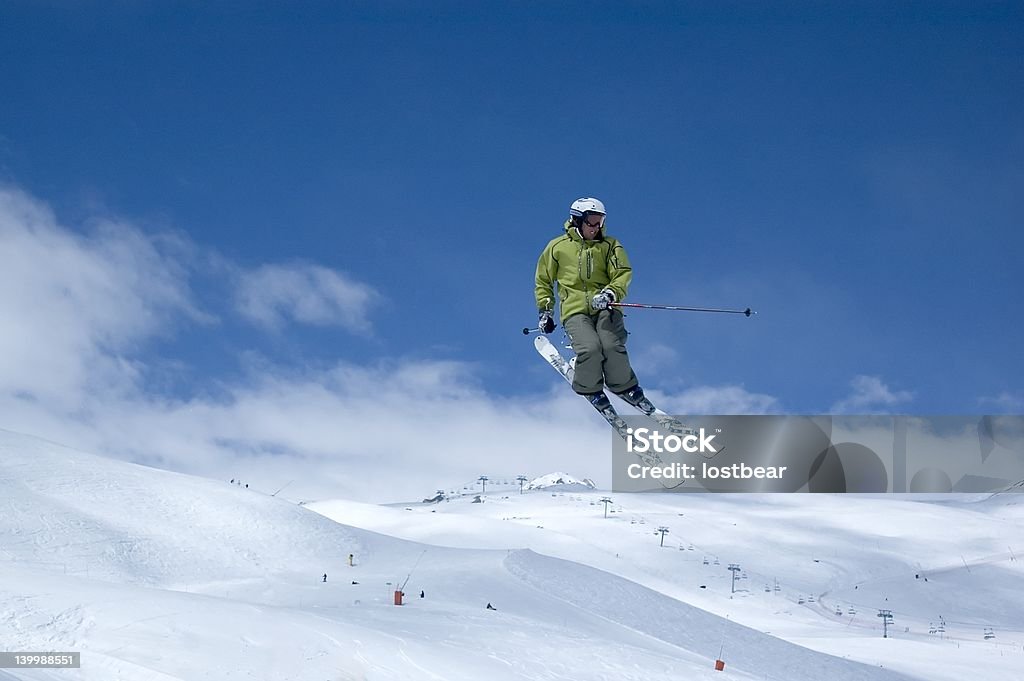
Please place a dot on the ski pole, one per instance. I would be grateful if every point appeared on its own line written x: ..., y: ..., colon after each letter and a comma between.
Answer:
x: 747, y: 312
x: 527, y: 332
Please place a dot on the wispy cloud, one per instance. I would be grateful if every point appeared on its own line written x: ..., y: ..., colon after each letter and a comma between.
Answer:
x: 869, y: 395
x: 654, y: 359
x: 76, y: 306
x: 729, y: 399
x: 273, y: 295
x: 1004, y: 403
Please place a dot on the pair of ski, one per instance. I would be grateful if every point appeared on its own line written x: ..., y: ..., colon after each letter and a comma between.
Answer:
x: 567, y: 370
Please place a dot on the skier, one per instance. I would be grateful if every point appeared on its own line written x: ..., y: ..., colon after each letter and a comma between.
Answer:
x: 592, y: 271
x: 325, y: 578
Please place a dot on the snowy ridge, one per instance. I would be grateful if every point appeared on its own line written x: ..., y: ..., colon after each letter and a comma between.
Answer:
x: 562, y: 480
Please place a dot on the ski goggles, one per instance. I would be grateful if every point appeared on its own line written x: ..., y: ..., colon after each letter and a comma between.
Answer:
x: 593, y: 219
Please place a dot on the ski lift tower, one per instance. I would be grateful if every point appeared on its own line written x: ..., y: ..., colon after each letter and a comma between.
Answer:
x: 886, y: 616
x: 483, y: 481
x: 734, y: 568
x: 606, y: 501
x: 662, y: 531
x: 522, y: 481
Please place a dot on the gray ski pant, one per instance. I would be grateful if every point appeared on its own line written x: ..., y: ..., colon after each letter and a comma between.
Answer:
x: 599, y: 342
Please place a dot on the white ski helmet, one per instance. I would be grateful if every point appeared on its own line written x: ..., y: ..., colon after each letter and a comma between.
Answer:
x: 586, y: 205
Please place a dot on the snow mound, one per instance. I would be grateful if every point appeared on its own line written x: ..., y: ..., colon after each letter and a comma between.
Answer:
x: 561, y: 480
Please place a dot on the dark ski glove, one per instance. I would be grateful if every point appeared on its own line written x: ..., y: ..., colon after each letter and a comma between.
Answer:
x: 547, y: 323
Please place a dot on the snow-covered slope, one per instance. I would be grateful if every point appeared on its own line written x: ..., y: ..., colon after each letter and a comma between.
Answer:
x: 814, y: 569
x: 154, y: 575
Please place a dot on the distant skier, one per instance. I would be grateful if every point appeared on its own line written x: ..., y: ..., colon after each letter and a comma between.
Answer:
x: 325, y: 578
x: 422, y: 594
x: 491, y: 607
x: 592, y: 271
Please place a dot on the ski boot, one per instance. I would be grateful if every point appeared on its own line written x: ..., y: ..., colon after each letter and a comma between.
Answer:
x: 600, y: 402
x: 635, y: 397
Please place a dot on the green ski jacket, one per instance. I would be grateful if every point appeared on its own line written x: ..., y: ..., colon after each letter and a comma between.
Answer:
x: 582, y: 269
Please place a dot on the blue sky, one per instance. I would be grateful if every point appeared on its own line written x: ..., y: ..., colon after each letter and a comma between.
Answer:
x: 248, y: 198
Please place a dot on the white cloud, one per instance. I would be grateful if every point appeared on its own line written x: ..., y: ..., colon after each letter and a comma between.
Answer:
x: 272, y: 295
x: 394, y: 431
x: 75, y: 306
x: 1004, y: 403
x: 718, y: 400
x: 654, y: 358
x: 870, y: 394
